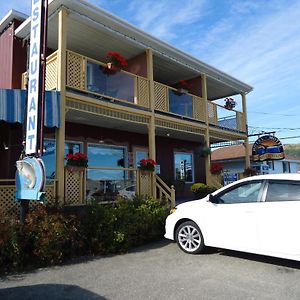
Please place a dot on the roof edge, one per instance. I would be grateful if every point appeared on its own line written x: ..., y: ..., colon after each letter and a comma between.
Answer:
x: 11, y: 15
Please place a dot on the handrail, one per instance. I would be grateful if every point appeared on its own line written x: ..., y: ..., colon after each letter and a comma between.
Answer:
x: 112, y: 169
x: 165, y: 191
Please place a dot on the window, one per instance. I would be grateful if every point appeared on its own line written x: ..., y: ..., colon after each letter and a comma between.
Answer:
x: 49, y: 156
x: 283, y: 191
x: 245, y: 193
x: 181, y: 105
x: 184, y: 168
x: 106, y: 156
x: 119, y: 85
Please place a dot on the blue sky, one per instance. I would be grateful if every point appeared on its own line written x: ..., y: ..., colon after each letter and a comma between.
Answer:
x: 255, y: 41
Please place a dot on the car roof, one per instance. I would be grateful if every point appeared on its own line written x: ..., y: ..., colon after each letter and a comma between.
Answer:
x: 286, y: 176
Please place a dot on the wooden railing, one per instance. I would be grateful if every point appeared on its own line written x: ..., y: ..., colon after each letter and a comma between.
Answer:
x: 7, y: 195
x: 224, y: 118
x: 187, y: 105
x: 78, y: 76
x: 164, y: 191
x: 196, y: 104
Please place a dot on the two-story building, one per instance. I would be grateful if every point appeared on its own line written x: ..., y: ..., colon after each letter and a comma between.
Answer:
x: 116, y: 119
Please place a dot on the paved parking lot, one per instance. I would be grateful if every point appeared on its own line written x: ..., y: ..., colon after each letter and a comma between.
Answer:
x: 161, y: 271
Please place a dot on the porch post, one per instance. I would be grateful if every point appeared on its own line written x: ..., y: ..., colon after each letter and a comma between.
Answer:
x: 61, y: 85
x: 151, y: 125
x: 207, y: 136
x: 247, y: 157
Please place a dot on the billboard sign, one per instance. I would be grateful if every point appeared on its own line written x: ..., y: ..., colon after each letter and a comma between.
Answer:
x: 267, y: 147
x: 34, y: 77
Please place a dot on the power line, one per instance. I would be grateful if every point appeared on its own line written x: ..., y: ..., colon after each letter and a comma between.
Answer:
x: 265, y: 113
x: 276, y: 128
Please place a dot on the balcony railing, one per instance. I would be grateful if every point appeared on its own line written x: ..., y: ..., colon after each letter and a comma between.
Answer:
x: 167, y: 99
x: 224, y: 118
x: 86, y: 75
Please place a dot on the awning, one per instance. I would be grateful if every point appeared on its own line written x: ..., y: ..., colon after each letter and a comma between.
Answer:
x: 12, y: 107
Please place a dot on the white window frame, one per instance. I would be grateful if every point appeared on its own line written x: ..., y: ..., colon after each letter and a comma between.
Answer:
x: 193, y: 164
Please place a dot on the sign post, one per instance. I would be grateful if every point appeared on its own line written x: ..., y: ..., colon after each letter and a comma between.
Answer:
x: 30, y: 175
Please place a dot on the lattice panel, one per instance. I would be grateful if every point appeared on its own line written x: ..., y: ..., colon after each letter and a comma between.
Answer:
x: 10, y: 207
x: 74, y: 181
x: 241, y: 122
x: 143, y: 92
x: 212, y: 113
x: 7, y: 195
x: 106, y: 112
x: 179, y: 127
x: 51, y: 73
x: 199, y: 108
x: 75, y: 75
x: 146, y: 183
x: 161, y: 97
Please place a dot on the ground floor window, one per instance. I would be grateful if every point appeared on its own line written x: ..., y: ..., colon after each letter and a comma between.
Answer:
x: 49, y: 155
x: 107, y: 176
x: 184, y: 167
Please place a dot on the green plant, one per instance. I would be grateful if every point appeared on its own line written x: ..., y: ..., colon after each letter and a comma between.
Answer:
x: 201, y: 190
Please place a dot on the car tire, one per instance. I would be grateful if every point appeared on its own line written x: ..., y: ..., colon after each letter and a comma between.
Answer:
x: 189, y: 238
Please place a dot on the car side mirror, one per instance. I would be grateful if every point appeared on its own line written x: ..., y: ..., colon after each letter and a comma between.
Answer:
x: 212, y: 199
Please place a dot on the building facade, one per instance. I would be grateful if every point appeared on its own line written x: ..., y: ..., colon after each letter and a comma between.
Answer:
x: 118, y: 118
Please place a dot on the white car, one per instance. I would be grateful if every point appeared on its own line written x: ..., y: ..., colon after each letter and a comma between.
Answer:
x: 259, y: 214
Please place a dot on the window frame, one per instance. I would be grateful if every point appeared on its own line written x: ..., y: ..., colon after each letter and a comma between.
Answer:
x: 193, y: 164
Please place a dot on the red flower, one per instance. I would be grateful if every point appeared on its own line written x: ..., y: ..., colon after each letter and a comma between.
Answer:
x: 183, y: 84
x: 147, y: 164
x: 216, y: 168
x: 117, y: 59
x: 77, y: 159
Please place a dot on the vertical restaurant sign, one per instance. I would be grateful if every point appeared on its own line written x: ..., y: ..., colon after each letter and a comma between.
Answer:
x: 267, y: 147
x: 34, y: 77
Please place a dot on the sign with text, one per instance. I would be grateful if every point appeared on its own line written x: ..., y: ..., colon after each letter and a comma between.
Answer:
x: 267, y: 147
x: 34, y: 77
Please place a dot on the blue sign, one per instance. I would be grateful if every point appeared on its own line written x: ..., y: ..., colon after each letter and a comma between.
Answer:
x: 30, y: 179
x: 230, y: 177
x: 34, y: 77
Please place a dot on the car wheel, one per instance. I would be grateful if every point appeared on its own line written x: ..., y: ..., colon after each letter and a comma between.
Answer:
x: 189, y: 238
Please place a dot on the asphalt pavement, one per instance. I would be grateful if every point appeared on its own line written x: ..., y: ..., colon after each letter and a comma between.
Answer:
x: 160, y: 271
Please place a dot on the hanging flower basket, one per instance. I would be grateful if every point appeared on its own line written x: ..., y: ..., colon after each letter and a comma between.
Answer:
x: 76, y: 160
x: 182, y: 87
x: 216, y: 168
x: 147, y: 165
x: 115, y: 63
x: 205, y: 151
x: 230, y: 103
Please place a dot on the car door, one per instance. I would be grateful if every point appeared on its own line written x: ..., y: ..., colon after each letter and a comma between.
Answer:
x: 232, y: 221
x: 279, y: 221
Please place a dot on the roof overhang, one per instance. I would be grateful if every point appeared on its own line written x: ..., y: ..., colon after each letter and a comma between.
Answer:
x: 90, y: 25
x: 10, y: 16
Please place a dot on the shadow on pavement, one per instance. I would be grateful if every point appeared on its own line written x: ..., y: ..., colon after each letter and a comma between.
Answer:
x: 280, y: 262
x: 48, y: 291
x: 154, y: 245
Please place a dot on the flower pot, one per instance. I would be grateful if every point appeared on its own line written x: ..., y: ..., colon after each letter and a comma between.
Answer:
x: 229, y: 107
x: 73, y: 168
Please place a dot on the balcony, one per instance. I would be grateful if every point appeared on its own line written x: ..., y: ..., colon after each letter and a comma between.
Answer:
x: 86, y: 75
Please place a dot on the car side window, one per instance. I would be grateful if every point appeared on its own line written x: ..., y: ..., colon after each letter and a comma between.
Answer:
x: 283, y: 191
x: 245, y: 193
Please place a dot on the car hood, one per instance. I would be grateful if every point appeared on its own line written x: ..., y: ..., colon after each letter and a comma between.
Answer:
x: 194, y: 203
